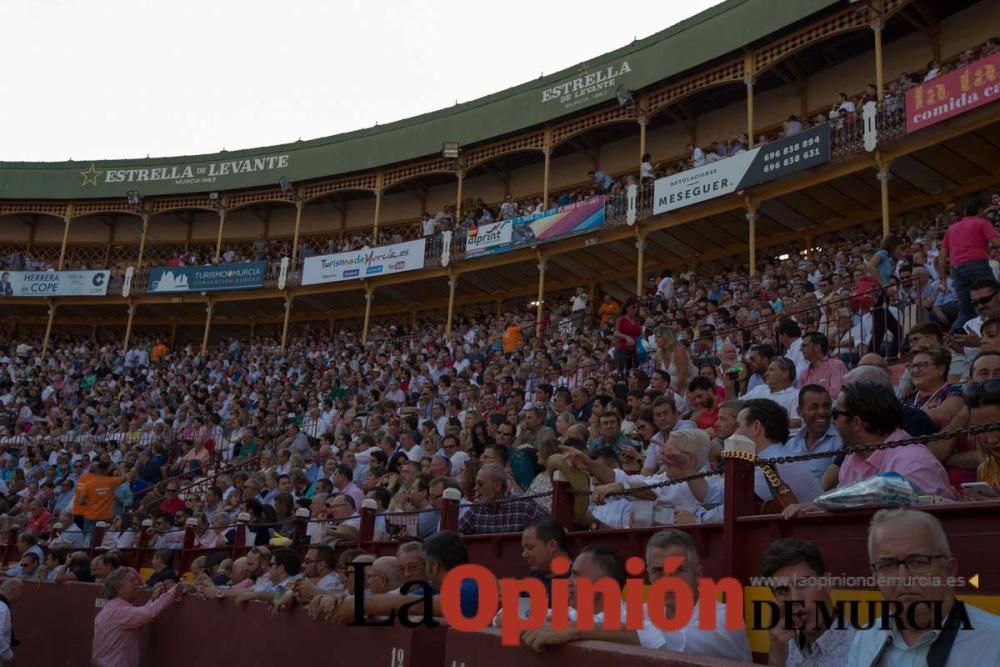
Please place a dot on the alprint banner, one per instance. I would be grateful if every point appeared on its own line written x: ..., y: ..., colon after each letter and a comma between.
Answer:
x: 556, y: 223
x: 54, y: 283
x: 953, y: 94
x: 364, y: 263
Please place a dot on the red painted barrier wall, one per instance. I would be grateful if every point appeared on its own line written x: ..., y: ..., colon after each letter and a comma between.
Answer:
x: 483, y: 649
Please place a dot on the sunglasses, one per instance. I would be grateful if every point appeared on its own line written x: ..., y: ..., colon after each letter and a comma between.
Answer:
x: 977, y: 394
x: 837, y: 412
x: 982, y: 301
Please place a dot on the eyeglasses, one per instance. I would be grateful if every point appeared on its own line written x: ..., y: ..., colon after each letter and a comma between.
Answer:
x: 505, y: 432
x: 977, y: 394
x: 982, y: 301
x: 837, y: 412
x: 915, y: 564
x: 919, y: 366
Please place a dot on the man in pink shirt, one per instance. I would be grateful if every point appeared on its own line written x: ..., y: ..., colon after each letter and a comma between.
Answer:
x: 118, y: 626
x: 823, y: 370
x: 865, y: 414
x: 965, y: 251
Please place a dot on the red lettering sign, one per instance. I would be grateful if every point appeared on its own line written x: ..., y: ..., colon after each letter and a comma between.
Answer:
x: 953, y: 94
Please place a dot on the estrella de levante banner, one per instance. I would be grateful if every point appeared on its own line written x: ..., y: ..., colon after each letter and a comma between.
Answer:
x: 556, y: 223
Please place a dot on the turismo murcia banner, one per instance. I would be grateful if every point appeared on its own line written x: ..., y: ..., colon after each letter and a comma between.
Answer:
x: 213, y: 278
x: 53, y: 283
x: 953, y: 94
x: 758, y: 165
x: 364, y: 263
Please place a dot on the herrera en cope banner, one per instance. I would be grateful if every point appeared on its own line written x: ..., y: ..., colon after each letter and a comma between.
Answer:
x: 541, y: 227
x: 760, y: 164
x: 54, y: 283
x: 953, y: 94
x: 216, y: 278
x: 364, y: 263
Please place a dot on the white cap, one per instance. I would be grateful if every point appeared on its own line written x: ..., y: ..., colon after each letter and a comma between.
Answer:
x: 147, y: 523
x: 452, y: 494
x: 303, y: 512
x: 101, y: 524
x: 192, y: 522
x: 58, y: 525
x: 369, y: 504
x: 243, y: 517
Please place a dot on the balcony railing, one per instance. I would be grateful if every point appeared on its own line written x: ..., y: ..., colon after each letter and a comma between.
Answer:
x: 847, y: 138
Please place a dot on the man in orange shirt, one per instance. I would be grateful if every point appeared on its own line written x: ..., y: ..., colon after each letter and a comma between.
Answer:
x: 159, y: 351
x: 98, y: 496
x: 511, y: 337
x: 608, y: 310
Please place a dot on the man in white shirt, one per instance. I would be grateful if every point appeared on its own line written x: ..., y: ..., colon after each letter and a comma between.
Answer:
x: 953, y: 632
x: 790, y: 337
x: 10, y: 592
x: 693, y: 639
x: 779, y: 386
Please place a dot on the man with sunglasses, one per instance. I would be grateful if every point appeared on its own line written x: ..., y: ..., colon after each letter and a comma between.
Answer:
x: 965, y: 253
x: 982, y: 398
x: 985, y: 297
x: 866, y: 413
x: 941, y: 630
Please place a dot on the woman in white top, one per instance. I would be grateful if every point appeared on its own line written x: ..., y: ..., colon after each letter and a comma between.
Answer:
x: 673, y: 358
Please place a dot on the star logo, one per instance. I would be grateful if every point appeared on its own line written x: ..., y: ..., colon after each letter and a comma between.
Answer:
x: 90, y: 176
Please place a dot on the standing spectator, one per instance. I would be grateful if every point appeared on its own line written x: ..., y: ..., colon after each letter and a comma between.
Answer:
x: 602, y: 180
x: 10, y: 592
x: 882, y: 269
x: 118, y: 626
x: 965, y: 253
x: 628, y: 328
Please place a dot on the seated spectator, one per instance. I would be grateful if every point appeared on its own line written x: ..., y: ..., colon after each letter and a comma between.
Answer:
x: 595, y: 562
x: 543, y: 540
x: 865, y: 414
x: 818, y: 434
x: 443, y: 552
x: 692, y: 639
x: 916, y: 539
x: 982, y: 398
x: 796, y: 570
x: 496, y: 510
x: 823, y: 370
x: 779, y: 386
x: 163, y: 570
x: 932, y: 392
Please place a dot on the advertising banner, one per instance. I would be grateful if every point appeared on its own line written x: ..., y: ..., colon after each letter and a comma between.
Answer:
x: 216, y: 278
x: 54, y: 283
x: 760, y: 164
x: 556, y: 223
x: 953, y: 94
x: 364, y: 263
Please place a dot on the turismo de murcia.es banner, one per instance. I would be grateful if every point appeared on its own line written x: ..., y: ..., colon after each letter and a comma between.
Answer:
x: 953, y: 94
x: 54, y: 283
x: 541, y: 227
x: 760, y: 164
x: 216, y: 278
x: 364, y: 263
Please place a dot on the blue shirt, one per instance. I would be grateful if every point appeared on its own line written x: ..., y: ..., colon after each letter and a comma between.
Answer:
x: 829, y: 442
x: 884, y: 266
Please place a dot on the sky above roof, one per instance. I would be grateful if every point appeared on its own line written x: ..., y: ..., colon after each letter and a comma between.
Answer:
x: 130, y: 78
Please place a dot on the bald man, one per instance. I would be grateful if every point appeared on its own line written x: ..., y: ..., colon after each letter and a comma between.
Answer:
x: 384, y: 576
